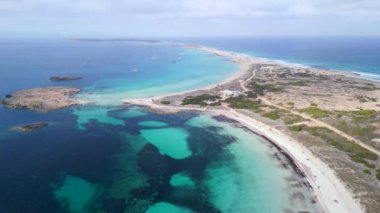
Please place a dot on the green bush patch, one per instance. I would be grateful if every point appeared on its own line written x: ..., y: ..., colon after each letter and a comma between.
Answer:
x: 300, y: 83
x: 243, y: 103
x: 165, y: 102
x: 315, y: 112
x: 367, y: 171
x: 273, y: 115
x: 290, y: 104
x: 297, y: 128
x: 199, y: 99
x: 260, y: 89
x: 291, y: 119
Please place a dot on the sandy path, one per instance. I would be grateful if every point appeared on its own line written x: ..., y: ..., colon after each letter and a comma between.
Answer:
x: 308, y: 117
x: 323, y: 124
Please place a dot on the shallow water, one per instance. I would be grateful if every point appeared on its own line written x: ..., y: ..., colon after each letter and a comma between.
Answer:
x: 152, y: 124
x: 113, y: 163
x: 169, y: 141
x: 74, y: 193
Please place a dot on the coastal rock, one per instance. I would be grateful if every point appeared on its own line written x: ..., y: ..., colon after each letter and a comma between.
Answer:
x: 65, y: 78
x: 30, y: 127
x: 42, y: 99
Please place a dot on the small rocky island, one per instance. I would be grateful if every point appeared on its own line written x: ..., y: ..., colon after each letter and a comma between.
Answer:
x: 65, y: 78
x: 31, y: 127
x: 42, y: 99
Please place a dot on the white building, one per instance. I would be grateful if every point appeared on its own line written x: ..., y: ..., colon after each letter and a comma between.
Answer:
x: 230, y: 93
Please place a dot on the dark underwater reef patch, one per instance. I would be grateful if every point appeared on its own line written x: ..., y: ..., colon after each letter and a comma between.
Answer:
x: 206, y: 145
x: 114, y: 205
x: 225, y: 119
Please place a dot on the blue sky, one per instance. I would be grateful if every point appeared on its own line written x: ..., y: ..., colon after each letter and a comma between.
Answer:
x: 154, y: 18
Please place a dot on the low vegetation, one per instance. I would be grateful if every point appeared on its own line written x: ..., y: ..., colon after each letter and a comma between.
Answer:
x: 313, y: 104
x: 299, y: 83
x: 292, y: 119
x: 200, y: 100
x: 297, y: 128
x: 260, y: 89
x: 360, y: 123
x: 378, y: 174
x: 242, y: 103
x: 290, y: 104
x: 367, y: 171
x: 365, y: 88
x: 251, y: 94
x: 356, y: 152
x: 364, y: 99
x: 165, y: 102
x: 303, y: 75
x: 316, y: 112
x: 273, y: 115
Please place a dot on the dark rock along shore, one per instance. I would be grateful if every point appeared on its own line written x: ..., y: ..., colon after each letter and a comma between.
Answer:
x: 64, y: 78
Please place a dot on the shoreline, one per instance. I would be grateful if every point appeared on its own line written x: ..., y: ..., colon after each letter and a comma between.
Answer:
x: 331, y: 192
x: 327, y: 187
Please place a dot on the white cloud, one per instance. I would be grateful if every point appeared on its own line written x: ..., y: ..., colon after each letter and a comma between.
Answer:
x: 185, y: 15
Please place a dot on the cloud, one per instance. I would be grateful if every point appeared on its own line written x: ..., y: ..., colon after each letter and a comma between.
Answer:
x: 89, y: 15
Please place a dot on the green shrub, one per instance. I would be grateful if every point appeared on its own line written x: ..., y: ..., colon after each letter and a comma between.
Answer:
x: 260, y: 89
x: 367, y: 171
x: 291, y: 119
x: 273, y: 115
x: 165, y: 102
x: 313, y: 104
x: 243, y: 103
x: 297, y: 128
x: 378, y: 174
x: 251, y: 94
x: 370, y: 165
x: 315, y: 112
x: 365, y: 113
x: 290, y: 104
x: 199, y: 99
x: 300, y: 83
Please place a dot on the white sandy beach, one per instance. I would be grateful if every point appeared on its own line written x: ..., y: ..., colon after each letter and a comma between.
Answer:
x: 331, y: 192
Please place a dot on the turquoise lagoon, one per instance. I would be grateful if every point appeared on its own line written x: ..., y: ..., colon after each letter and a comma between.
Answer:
x: 179, y: 70
x: 110, y: 158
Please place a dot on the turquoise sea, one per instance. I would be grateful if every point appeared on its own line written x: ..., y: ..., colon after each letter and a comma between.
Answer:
x: 109, y: 158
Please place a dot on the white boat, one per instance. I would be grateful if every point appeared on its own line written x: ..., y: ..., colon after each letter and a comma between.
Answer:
x: 135, y: 69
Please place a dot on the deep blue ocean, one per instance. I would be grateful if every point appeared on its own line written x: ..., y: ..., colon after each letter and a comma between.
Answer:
x: 110, y: 158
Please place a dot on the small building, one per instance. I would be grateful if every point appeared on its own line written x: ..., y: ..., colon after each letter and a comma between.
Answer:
x: 230, y: 93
